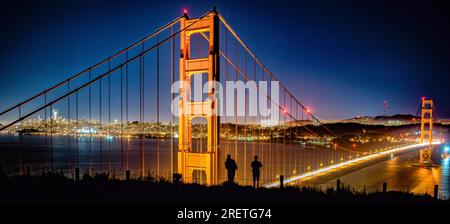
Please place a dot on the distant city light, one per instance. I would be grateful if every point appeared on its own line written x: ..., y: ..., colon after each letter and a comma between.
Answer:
x: 87, y: 130
x: 446, y: 148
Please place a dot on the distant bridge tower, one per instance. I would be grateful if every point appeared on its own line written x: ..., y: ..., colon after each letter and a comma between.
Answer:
x: 197, y: 166
x: 426, y: 132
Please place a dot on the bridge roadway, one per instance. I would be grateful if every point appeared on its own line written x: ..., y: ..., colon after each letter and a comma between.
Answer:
x: 399, y: 172
x: 328, y: 174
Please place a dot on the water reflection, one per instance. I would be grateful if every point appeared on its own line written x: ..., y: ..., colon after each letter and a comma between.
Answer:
x: 157, y: 158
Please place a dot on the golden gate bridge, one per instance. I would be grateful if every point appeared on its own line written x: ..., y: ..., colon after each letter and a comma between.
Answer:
x: 124, y: 100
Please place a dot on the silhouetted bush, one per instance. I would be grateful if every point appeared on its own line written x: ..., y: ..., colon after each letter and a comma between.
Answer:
x: 54, y: 187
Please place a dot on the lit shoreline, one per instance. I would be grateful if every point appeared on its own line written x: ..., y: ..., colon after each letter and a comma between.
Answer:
x: 349, y: 162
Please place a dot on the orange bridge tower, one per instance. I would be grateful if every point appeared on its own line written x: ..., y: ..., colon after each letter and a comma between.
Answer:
x: 200, y: 167
x: 426, y: 132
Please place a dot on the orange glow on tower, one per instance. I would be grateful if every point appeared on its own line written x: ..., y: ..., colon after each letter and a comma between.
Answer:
x: 426, y: 132
x: 200, y: 167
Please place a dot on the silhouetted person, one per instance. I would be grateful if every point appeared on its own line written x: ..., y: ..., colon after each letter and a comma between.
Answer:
x: 231, y: 166
x: 256, y: 166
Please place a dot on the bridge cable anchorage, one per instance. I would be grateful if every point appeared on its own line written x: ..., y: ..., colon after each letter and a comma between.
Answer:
x: 161, y: 29
x: 273, y: 76
x: 101, y: 76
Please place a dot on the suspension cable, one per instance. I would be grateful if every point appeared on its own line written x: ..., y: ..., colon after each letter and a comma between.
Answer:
x: 103, y: 75
x: 271, y: 74
x: 96, y: 65
x: 247, y: 78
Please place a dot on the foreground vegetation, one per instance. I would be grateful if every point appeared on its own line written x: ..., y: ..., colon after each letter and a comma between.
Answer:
x: 53, y: 187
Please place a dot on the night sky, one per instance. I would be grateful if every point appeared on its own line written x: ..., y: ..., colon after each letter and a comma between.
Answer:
x: 341, y: 58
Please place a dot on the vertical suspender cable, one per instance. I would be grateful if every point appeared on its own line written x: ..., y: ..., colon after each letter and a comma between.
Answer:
x: 76, y: 132
x: 141, y: 105
x: 21, y: 163
x: 296, y: 136
x: 284, y: 135
x: 235, y: 111
x: 109, y: 121
x: 90, y: 125
x: 46, y: 134
x: 254, y: 116
x: 226, y: 96
x: 245, y: 124
x: 157, y: 104
x: 172, y: 78
x: 69, y: 157
x: 121, y: 118
x: 290, y: 139
x: 227, y: 126
x: 100, y: 125
x: 126, y: 111
x: 51, y: 139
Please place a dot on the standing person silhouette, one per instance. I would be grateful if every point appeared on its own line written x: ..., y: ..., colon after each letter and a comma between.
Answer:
x: 256, y: 166
x: 231, y: 166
